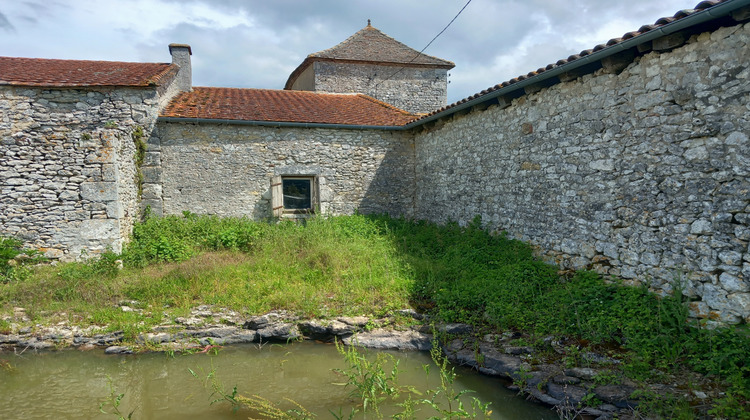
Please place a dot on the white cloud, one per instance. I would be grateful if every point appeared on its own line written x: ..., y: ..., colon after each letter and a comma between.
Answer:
x: 256, y: 43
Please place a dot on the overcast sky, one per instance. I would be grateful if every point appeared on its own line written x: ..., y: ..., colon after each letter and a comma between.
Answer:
x: 257, y: 43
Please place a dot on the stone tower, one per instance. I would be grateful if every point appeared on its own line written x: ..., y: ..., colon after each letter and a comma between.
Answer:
x: 377, y: 65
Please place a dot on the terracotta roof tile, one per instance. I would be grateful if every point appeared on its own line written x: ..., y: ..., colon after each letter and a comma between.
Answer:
x: 372, y: 46
x: 614, y: 41
x: 72, y: 73
x: 284, y: 106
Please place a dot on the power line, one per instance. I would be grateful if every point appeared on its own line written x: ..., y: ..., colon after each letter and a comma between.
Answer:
x: 428, y: 44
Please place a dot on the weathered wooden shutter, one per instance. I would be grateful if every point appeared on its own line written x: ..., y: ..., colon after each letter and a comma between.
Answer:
x: 315, y: 195
x: 277, y: 196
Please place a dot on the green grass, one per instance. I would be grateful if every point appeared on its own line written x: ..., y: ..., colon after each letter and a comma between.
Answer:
x: 353, y: 265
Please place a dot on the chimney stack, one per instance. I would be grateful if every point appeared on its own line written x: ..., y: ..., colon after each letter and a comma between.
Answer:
x: 181, y: 56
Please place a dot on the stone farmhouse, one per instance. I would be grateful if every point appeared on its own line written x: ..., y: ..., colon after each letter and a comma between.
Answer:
x: 631, y: 158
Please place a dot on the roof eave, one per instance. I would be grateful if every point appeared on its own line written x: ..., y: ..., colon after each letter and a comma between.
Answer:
x: 75, y: 86
x: 706, y: 15
x: 279, y: 124
x: 311, y: 59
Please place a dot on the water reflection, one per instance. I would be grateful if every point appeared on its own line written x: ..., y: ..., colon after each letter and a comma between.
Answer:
x: 71, y: 384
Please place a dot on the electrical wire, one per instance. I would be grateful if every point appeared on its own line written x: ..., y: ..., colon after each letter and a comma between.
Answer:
x: 428, y: 44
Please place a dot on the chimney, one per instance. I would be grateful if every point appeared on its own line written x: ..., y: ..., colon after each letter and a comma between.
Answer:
x: 181, y: 56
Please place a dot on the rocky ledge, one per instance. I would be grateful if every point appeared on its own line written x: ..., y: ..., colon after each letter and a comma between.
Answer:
x: 595, y: 387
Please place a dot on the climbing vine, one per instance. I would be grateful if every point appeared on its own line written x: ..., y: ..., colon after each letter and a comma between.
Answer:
x: 140, y: 155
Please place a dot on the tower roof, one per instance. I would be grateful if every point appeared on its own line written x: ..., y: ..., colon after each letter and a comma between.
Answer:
x: 370, y: 45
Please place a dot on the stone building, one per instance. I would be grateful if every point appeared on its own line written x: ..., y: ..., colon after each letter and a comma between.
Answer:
x: 631, y: 158
x: 66, y: 147
x: 377, y: 65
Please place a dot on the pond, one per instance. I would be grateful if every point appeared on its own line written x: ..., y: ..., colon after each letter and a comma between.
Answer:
x: 71, y: 384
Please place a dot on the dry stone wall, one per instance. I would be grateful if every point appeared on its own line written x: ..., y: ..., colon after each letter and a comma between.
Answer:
x: 67, y: 165
x: 642, y: 175
x: 417, y: 90
x: 226, y: 169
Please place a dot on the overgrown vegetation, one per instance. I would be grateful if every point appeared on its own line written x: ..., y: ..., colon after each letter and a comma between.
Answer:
x: 15, y: 260
x: 352, y: 265
x: 140, y: 156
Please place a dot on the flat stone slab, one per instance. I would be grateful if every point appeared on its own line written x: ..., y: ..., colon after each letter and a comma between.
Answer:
x: 391, y: 339
x: 118, y: 350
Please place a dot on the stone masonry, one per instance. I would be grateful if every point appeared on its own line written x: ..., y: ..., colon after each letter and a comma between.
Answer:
x: 418, y: 90
x: 67, y: 161
x: 227, y: 169
x: 641, y: 174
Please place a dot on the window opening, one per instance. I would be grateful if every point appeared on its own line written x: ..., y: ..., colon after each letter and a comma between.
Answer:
x: 297, y: 193
x: 292, y: 195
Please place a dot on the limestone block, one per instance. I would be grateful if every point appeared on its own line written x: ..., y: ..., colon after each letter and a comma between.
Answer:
x: 669, y: 42
x: 740, y: 303
x: 109, y: 172
x: 53, y: 253
x: 77, y: 215
x: 102, y: 155
x: 730, y: 257
x: 151, y: 174
x: 155, y: 205
x: 608, y: 249
x: 714, y: 296
x: 698, y: 309
x: 68, y: 196
x: 103, y: 230
x: 115, y: 210
x: 152, y: 191
x: 99, y: 191
x: 604, y: 165
x: 732, y: 283
x: 737, y: 138
x: 701, y: 227
x: 152, y: 159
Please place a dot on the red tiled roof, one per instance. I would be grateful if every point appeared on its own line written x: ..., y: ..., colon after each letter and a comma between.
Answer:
x: 642, y: 30
x: 284, y: 106
x: 371, y: 45
x: 73, y: 73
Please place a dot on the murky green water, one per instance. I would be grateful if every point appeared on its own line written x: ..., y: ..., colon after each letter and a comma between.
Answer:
x: 71, y: 384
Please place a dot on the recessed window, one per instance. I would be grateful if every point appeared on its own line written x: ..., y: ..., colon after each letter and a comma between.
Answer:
x: 297, y: 193
x: 294, y: 195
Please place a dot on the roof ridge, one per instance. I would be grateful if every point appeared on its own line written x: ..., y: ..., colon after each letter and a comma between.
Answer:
x: 369, y: 27
x: 281, y: 91
x: 76, y: 60
x: 370, y: 45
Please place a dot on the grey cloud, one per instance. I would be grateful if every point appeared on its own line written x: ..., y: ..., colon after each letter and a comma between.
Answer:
x: 281, y: 33
x: 235, y: 57
x: 5, y: 24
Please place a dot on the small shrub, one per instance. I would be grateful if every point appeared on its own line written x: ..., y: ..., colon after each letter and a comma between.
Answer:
x: 15, y: 260
x: 5, y: 327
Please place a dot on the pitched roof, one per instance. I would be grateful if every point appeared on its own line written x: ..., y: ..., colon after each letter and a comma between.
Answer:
x: 79, y: 73
x: 284, y: 106
x: 370, y: 45
x: 703, y: 5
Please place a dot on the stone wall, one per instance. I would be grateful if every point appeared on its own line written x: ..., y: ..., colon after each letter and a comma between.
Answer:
x: 67, y: 165
x: 642, y: 174
x: 226, y: 169
x: 417, y: 90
